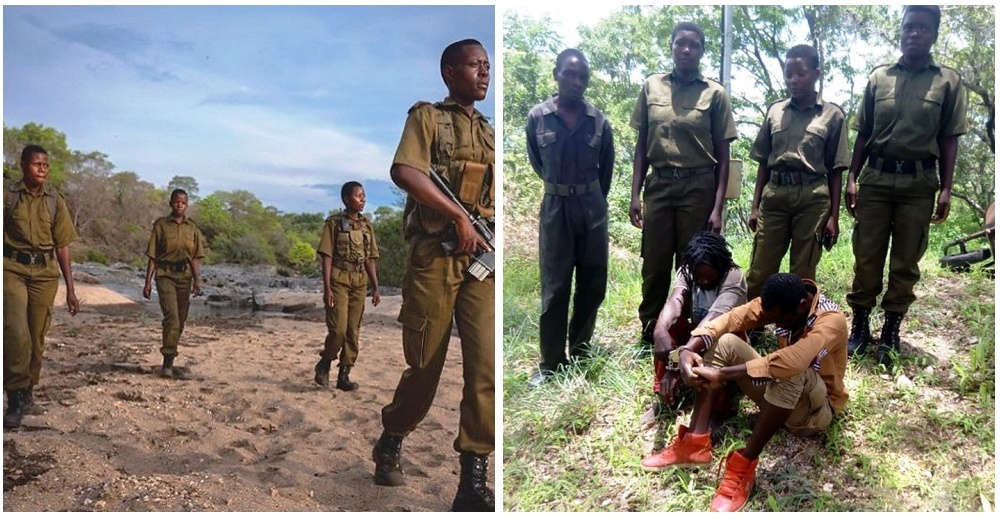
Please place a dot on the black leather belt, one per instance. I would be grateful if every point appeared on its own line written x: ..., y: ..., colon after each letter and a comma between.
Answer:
x: 671, y: 172
x: 789, y: 177
x: 26, y: 258
x: 348, y: 266
x: 176, y: 267
x: 899, y: 166
x: 568, y: 190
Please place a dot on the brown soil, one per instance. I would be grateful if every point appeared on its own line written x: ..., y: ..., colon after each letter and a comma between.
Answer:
x: 242, y: 428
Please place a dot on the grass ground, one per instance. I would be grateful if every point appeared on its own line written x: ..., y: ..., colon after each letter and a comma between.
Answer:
x: 917, y: 438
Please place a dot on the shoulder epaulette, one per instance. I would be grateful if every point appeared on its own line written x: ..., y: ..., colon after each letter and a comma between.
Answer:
x: 417, y: 105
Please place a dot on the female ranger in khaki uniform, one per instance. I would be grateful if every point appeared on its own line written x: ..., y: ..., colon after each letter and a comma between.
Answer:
x: 685, y: 124
x: 348, y: 252
x: 175, y: 251
x: 911, y: 115
x: 802, y: 151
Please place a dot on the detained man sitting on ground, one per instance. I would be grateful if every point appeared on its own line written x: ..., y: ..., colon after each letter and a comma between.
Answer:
x: 799, y: 386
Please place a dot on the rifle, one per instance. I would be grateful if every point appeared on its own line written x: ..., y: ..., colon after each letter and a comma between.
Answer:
x: 483, y: 260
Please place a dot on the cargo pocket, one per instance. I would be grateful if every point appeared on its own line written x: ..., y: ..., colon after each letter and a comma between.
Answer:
x: 414, y: 337
x: 471, y: 189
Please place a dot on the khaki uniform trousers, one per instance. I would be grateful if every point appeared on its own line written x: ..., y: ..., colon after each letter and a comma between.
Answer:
x: 174, y: 290
x: 436, y: 290
x: 896, y: 206
x: 804, y: 394
x: 343, y: 321
x: 674, y: 209
x: 29, y: 292
x: 796, y: 214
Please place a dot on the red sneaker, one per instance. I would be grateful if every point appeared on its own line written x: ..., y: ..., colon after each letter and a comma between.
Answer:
x: 736, y: 484
x: 687, y: 450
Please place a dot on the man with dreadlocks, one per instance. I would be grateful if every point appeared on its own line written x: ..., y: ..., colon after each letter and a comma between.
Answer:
x: 799, y: 386
x: 707, y: 285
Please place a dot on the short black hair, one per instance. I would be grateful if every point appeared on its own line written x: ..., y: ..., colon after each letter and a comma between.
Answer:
x: 710, y: 249
x: 453, y: 51
x: 688, y: 26
x: 933, y: 10
x: 782, y: 290
x: 348, y: 188
x: 570, y: 53
x: 177, y: 192
x: 805, y: 52
x: 30, y: 150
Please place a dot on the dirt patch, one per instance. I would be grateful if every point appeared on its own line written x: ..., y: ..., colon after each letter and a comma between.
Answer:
x: 242, y: 428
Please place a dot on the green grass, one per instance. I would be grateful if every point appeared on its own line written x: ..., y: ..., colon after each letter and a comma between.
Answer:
x: 575, y: 444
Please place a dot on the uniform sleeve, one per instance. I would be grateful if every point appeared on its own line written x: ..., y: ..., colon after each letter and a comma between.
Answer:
x: 153, y: 240
x: 953, y: 114
x: 199, y: 244
x: 866, y: 113
x: 63, y: 232
x: 326, y: 239
x: 762, y: 144
x: 415, y: 144
x: 640, y: 115
x: 732, y: 294
x: 534, y: 156
x: 838, y: 156
x: 373, y: 252
x: 830, y: 328
x: 607, y: 158
x: 723, y: 124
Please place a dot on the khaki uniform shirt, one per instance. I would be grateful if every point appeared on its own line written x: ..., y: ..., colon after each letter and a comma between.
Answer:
x: 811, y: 139
x: 905, y: 113
x: 30, y: 228
x: 175, y: 242
x: 354, y: 246
x: 445, y: 139
x: 821, y: 345
x: 683, y: 120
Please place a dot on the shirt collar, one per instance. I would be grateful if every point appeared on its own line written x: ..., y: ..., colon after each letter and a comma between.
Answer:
x: 450, y: 104
x: 549, y: 107
x: 21, y: 186
x: 819, y: 103
x: 673, y: 78
x: 930, y: 65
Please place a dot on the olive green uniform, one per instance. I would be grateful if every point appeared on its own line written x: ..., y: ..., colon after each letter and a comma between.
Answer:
x: 30, y: 278
x: 435, y: 288
x: 904, y: 114
x: 349, y: 243
x: 683, y: 121
x: 172, y: 246
x: 801, y: 147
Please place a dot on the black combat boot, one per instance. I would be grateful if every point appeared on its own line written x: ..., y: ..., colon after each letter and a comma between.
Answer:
x: 889, y: 342
x: 473, y: 495
x: 861, y: 332
x: 15, y: 408
x: 386, y: 455
x: 322, y: 377
x: 168, y: 366
x: 344, y: 379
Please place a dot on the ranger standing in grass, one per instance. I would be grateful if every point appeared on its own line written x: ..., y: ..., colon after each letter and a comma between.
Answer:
x: 910, y: 117
x: 802, y: 151
x: 37, y: 231
x: 456, y: 140
x: 685, y: 124
x: 571, y: 148
x: 799, y: 386
x: 347, y: 251
x: 175, y: 251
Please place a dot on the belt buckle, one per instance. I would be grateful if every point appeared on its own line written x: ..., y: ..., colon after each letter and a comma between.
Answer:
x: 676, y: 172
x: 899, y: 166
x: 786, y: 178
x: 571, y: 188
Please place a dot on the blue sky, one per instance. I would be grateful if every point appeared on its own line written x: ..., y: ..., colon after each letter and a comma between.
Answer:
x: 286, y: 102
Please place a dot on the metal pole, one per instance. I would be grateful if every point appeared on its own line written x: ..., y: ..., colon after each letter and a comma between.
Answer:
x: 727, y: 66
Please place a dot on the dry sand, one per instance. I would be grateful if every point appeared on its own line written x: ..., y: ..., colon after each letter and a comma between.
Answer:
x: 242, y: 428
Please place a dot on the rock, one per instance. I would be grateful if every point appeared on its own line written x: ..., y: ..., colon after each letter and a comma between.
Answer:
x: 904, y: 383
x: 929, y: 370
x: 83, y: 277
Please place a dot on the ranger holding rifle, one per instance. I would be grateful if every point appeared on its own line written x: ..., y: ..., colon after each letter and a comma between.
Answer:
x: 456, y: 139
